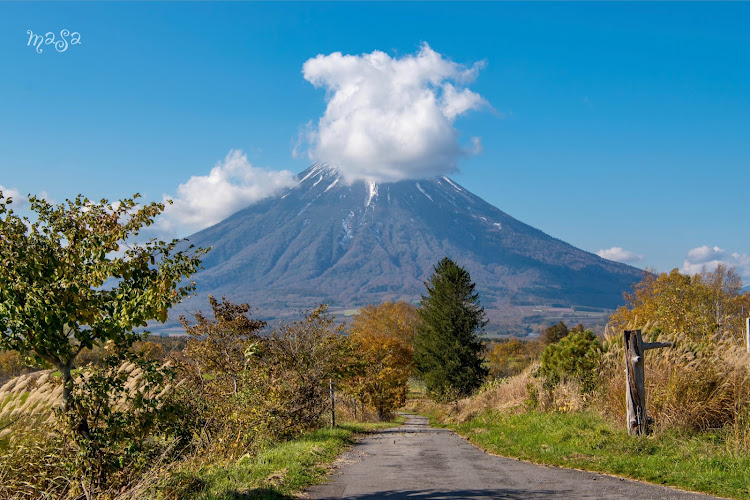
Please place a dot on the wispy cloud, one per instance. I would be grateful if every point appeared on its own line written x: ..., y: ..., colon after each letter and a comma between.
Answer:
x: 21, y: 201
x: 391, y: 118
x: 618, y: 254
x: 18, y: 200
x: 231, y: 185
x: 706, y: 257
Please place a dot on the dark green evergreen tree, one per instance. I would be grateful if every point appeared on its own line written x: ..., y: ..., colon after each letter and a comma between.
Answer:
x: 553, y: 334
x: 447, y: 348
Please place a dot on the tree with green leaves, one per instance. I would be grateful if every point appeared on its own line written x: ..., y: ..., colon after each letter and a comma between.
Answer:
x: 299, y: 361
x: 71, y: 278
x: 447, y: 348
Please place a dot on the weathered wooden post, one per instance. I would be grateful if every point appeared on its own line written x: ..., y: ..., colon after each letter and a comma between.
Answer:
x: 635, y: 380
x: 747, y: 333
x: 333, y: 402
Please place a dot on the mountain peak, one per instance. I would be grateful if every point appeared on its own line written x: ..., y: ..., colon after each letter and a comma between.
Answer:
x: 353, y: 244
x: 321, y: 169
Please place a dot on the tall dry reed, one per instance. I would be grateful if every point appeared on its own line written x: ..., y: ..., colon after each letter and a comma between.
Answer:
x: 694, y: 385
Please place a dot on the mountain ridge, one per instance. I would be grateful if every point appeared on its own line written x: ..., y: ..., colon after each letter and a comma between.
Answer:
x: 352, y: 244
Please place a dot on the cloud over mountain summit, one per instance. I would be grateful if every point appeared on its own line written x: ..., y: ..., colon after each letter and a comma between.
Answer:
x: 391, y: 118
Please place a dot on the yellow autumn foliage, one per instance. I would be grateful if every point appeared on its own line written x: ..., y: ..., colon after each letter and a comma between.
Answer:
x: 382, y: 337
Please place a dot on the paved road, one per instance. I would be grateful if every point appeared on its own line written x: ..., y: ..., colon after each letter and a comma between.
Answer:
x: 417, y: 461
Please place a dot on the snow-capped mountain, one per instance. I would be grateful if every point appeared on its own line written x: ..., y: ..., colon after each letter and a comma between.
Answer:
x: 324, y: 240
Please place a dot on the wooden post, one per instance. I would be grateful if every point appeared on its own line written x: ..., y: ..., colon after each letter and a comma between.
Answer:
x: 747, y: 333
x: 333, y: 402
x: 635, y: 380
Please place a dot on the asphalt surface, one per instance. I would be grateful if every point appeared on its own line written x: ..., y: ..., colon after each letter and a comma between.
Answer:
x: 417, y: 461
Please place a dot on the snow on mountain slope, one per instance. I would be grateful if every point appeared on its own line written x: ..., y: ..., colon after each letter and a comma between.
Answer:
x: 326, y: 241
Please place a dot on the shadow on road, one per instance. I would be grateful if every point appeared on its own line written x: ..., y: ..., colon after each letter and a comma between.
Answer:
x: 410, y: 430
x: 501, y: 493
x: 257, y: 494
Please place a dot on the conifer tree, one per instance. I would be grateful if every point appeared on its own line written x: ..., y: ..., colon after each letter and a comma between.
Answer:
x: 555, y: 333
x: 447, y: 346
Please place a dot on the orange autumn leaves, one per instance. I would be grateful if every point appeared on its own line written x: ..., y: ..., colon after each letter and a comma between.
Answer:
x: 382, y: 342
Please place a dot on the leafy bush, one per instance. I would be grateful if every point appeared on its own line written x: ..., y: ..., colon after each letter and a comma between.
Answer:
x: 575, y: 358
x: 120, y: 405
x: 555, y: 333
x: 511, y: 357
x: 243, y: 390
x: 298, y: 361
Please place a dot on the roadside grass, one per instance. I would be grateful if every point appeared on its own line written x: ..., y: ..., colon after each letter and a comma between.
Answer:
x: 400, y: 419
x: 693, y: 461
x: 277, y: 472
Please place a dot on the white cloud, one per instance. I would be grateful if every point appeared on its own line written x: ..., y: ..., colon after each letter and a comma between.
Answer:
x: 43, y: 194
x: 19, y: 201
x: 709, y: 258
x: 390, y: 118
x: 617, y: 254
x: 231, y: 185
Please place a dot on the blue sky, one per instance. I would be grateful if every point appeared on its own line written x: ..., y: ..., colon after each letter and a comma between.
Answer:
x: 605, y: 124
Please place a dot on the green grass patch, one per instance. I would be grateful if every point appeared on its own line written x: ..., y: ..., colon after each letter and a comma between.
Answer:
x: 692, y: 461
x: 278, y: 471
x: 400, y: 419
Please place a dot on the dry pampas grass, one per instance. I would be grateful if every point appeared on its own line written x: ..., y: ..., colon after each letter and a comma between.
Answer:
x: 692, y: 385
x: 508, y: 394
x: 27, y: 400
